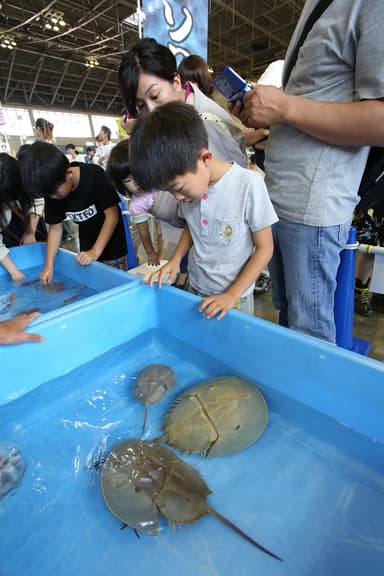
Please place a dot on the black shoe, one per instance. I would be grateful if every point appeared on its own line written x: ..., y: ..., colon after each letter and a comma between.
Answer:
x: 362, y: 303
x: 262, y: 284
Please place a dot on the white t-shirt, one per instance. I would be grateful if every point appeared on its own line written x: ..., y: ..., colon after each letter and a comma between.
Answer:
x: 221, y: 225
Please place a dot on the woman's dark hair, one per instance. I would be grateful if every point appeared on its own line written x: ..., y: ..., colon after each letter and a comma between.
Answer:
x: 118, y: 166
x: 46, y: 128
x: 146, y: 55
x: 43, y: 167
x: 11, y: 189
x: 165, y: 144
x: 194, y: 69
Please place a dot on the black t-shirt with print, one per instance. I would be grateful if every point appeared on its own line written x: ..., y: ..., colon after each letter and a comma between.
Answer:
x: 85, y: 206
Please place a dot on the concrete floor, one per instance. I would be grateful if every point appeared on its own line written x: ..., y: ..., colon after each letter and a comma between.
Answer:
x: 369, y: 329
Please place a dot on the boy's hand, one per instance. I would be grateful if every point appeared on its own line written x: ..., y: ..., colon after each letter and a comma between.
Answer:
x: 86, y: 258
x: 171, y: 269
x: 218, y: 304
x: 153, y: 259
x: 46, y: 275
x: 12, y: 331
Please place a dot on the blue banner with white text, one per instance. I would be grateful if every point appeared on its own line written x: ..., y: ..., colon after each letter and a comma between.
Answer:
x: 182, y: 25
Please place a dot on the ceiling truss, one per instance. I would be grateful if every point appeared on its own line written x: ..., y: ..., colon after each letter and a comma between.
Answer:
x: 48, y: 69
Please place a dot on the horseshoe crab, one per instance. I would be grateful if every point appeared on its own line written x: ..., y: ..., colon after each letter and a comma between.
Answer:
x: 141, y: 478
x: 12, y: 468
x: 221, y: 416
x: 153, y: 382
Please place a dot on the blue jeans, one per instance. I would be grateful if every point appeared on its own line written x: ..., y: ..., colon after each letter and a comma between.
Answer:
x: 303, y: 271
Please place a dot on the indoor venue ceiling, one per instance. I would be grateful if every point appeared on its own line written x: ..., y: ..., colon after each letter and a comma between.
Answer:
x: 46, y: 68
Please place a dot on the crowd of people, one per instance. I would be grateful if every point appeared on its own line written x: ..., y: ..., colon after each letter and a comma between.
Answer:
x: 185, y: 163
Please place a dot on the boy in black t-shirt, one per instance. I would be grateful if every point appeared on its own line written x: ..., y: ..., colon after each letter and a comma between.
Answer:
x: 82, y: 194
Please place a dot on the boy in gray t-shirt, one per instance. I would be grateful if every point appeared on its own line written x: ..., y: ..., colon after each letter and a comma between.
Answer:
x: 226, y: 207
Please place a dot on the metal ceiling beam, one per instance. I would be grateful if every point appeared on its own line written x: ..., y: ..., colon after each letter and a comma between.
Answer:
x: 10, y: 73
x: 80, y: 87
x: 251, y: 22
x: 100, y: 89
x: 36, y: 79
x: 60, y: 82
x: 112, y: 101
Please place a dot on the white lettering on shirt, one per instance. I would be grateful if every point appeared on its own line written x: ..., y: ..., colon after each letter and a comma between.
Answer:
x: 82, y: 215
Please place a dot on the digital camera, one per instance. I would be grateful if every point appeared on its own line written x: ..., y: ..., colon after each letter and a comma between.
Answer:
x: 231, y: 85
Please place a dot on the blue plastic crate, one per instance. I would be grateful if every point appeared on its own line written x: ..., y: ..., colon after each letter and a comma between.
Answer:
x: 311, y: 489
x: 93, y: 282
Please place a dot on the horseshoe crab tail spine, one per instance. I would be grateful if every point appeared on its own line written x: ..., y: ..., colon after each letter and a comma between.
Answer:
x: 160, y: 439
x: 145, y: 420
x: 236, y: 529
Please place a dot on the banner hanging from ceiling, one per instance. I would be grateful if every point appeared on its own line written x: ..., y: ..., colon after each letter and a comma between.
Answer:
x: 182, y: 25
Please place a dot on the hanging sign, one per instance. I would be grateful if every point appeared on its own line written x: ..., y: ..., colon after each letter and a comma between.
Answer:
x: 182, y: 25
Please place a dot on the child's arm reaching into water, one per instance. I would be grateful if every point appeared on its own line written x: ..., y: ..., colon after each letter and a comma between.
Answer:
x: 55, y: 233
x: 172, y: 268
x: 219, y: 304
x: 14, y: 272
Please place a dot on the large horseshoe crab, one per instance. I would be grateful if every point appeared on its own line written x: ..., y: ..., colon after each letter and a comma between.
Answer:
x: 221, y: 416
x: 140, y: 479
x: 152, y: 383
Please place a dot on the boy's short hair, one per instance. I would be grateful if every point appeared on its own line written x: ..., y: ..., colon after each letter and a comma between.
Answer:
x: 118, y: 166
x: 165, y: 144
x: 10, y: 182
x: 43, y: 167
x: 70, y: 147
x: 11, y: 188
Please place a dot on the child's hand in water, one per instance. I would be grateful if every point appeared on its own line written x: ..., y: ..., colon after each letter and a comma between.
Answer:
x: 218, y: 304
x: 167, y: 273
x: 18, y: 276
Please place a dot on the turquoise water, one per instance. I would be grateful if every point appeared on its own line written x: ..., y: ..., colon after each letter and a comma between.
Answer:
x: 310, y: 489
x: 31, y: 294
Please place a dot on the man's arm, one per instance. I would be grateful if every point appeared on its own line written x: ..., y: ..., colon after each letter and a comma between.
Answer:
x: 339, y: 123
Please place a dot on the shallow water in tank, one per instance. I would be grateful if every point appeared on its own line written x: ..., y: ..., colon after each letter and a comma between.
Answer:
x: 31, y: 294
x: 310, y: 489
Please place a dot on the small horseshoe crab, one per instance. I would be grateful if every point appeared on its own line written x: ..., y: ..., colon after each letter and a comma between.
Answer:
x: 141, y: 478
x: 12, y: 468
x: 221, y: 416
x: 153, y: 382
